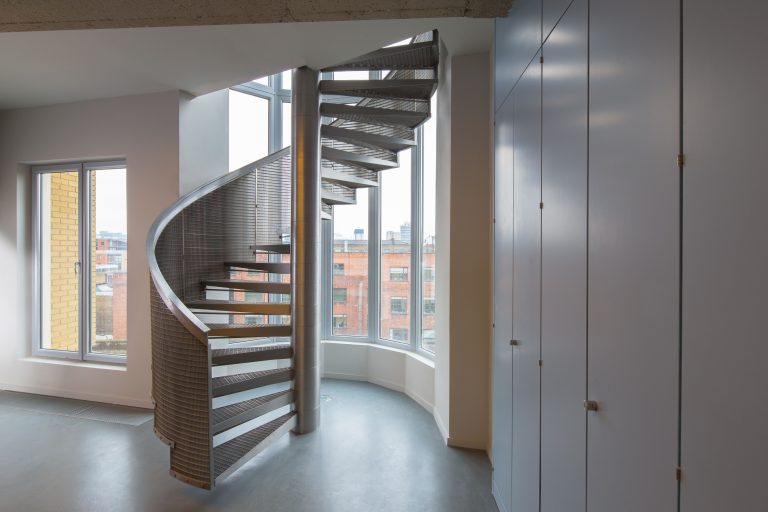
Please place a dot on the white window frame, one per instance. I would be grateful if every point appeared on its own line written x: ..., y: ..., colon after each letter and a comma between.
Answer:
x: 83, y: 170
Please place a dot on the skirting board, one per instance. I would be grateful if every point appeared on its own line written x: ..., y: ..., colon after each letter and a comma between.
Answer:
x: 91, y: 397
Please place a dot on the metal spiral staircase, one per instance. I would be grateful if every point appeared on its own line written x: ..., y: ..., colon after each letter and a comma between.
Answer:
x: 224, y: 356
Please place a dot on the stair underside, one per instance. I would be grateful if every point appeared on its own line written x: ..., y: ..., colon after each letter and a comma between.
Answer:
x: 225, y: 418
x: 263, y: 308
x: 251, y: 286
x: 272, y: 268
x: 334, y: 199
x: 371, y: 115
x: 248, y: 331
x: 365, y: 138
x: 346, y: 179
x: 410, y: 56
x: 361, y: 160
x: 224, y: 356
x: 244, y: 381
x: 390, y: 89
x: 228, y: 457
x: 273, y: 248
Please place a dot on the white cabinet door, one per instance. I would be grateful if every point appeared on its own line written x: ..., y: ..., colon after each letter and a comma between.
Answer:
x: 564, y: 264
x: 527, y: 291
x: 502, y: 309
x: 725, y: 258
x: 633, y: 274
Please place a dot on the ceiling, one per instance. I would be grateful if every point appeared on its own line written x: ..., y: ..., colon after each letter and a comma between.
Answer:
x: 44, y: 68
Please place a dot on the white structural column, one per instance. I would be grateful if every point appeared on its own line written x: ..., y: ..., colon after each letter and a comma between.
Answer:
x: 306, y: 250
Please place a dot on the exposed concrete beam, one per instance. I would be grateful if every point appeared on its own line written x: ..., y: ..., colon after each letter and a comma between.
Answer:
x: 36, y: 15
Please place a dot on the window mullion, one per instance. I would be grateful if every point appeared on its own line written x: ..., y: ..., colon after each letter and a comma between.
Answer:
x: 416, y: 237
x: 84, y: 259
x: 374, y: 264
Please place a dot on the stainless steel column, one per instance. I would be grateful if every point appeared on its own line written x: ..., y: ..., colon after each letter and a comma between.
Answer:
x: 305, y: 240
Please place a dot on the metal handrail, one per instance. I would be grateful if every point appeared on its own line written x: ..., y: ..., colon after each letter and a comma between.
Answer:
x: 193, y: 324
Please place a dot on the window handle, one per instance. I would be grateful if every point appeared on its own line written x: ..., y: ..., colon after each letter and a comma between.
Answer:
x: 76, y: 267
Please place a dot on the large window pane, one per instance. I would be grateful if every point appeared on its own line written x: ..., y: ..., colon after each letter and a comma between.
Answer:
x: 286, y: 119
x: 395, y: 284
x: 350, y: 268
x: 429, y: 191
x: 109, y: 262
x: 59, y: 261
x: 248, y: 129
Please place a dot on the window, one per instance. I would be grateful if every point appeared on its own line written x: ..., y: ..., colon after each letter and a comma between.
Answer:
x: 340, y: 295
x: 340, y: 321
x: 350, y: 266
x: 383, y: 250
x: 398, y: 334
x: 398, y: 305
x: 398, y: 273
x: 81, y: 255
x: 255, y: 320
x: 259, y: 118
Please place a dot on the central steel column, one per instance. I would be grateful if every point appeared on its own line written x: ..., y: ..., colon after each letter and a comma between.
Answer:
x: 306, y: 250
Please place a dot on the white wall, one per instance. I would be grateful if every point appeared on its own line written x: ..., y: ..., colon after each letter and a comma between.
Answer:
x: 145, y: 131
x: 462, y: 355
x: 203, y: 138
x: 400, y: 370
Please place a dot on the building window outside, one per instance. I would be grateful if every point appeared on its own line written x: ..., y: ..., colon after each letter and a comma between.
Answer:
x: 398, y: 305
x: 81, y: 259
x: 398, y: 273
x: 429, y: 274
x: 398, y: 334
x: 429, y: 305
x: 340, y: 321
x: 340, y: 295
x: 338, y: 269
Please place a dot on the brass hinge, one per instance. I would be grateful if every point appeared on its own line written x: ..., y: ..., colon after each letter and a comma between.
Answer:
x: 678, y: 473
x: 540, y: 363
x: 591, y: 405
x: 681, y: 159
x: 541, y: 59
x: 541, y: 206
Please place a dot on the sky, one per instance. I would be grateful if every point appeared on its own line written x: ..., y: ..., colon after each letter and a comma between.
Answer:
x: 111, y: 207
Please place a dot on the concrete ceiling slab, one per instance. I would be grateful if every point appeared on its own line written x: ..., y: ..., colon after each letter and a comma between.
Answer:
x: 35, y: 15
x: 43, y: 68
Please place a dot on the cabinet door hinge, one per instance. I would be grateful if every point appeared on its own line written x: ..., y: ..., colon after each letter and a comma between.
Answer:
x: 678, y: 473
x: 540, y: 363
x: 681, y: 159
x: 541, y: 206
x: 541, y: 59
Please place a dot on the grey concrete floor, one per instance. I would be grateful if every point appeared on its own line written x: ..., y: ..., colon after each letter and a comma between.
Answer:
x: 376, y: 450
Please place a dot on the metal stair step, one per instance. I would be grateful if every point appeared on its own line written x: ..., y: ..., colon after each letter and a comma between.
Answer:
x: 361, y: 137
x: 410, y: 56
x: 258, y: 308
x: 390, y: 89
x: 273, y: 248
x: 272, y: 268
x: 244, y: 381
x: 251, y: 286
x: 224, y: 356
x: 345, y: 179
x: 228, y: 457
x: 350, y: 158
x: 248, y: 330
x: 225, y: 418
x: 371, y: 115
x: 333, y: 199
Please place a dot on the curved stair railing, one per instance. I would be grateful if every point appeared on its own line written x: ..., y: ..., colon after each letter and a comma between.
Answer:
x: 220, y: 265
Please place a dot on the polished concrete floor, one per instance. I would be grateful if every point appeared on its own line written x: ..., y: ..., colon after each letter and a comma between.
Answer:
x: 377, y: 450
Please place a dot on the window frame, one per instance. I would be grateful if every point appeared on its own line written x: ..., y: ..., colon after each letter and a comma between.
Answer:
x: 84, y: 177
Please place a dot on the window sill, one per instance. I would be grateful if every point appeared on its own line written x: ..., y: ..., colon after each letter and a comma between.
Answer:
x: 120, y: 367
